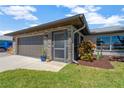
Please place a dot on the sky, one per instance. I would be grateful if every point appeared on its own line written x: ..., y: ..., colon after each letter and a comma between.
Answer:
x: 14, y: 18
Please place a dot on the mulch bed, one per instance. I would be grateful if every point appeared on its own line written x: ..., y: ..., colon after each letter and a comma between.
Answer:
x: 117, y: 58
x: 101, y: 63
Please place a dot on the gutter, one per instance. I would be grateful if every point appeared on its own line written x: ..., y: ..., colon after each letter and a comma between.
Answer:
x: 84, y: 22
x: 77, y: 31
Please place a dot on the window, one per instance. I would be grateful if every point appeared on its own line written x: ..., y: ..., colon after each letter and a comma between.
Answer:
x: 117, y: 42
x: 110, y: 43
x: 103, y: 42
x: 59, y: 40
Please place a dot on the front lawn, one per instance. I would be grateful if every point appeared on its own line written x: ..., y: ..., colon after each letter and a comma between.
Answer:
x: 70, y: 76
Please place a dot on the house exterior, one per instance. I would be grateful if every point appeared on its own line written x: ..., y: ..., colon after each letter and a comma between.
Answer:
x: 112, y: 38
x: 61, y: 39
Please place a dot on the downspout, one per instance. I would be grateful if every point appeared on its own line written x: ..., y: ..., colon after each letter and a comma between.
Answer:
x: 77, y: 31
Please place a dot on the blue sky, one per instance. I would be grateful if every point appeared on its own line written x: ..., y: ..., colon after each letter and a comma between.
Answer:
x: 13, y: 18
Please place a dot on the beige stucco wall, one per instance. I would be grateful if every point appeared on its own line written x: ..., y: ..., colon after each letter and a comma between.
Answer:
x: 106, y: 52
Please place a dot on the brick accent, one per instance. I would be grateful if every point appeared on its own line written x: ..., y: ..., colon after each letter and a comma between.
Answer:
x: 49, y: 48
x: 69, y: 46
x: 15, y: 46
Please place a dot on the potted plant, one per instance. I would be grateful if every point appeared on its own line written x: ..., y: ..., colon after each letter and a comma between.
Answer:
x: 43, y: 55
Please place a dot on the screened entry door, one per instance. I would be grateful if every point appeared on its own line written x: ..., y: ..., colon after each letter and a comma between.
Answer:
x: 59, y: 46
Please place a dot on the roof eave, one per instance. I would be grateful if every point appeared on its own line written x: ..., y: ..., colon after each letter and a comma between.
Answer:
x: 53, y: 24
x: 106, y: 32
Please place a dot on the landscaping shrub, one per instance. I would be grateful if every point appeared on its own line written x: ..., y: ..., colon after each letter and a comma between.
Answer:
x: 86, y: 49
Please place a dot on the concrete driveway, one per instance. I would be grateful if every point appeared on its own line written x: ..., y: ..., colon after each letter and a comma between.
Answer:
x: 3, y: 54
x: 21, y: 62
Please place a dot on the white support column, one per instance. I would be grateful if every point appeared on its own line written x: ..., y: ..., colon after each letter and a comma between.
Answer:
x: 80, y: 34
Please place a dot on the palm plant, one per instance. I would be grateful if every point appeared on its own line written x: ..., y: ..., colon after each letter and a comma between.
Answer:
x: 43, y: 52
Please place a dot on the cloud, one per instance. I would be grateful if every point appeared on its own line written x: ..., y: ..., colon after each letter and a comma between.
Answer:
x: 68, y: 6
x: 79, y: 10
x: 114, y: 20
x: 1, y: 13
x: 2, y: 32
x: 93, y: 16
x: 76, y: 9
x: 20, y: 12
x: 92, y: 8
x: 32, y: 25
x: 123, y: 9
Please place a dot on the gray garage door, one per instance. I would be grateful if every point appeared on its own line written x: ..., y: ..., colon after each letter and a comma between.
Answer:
x: 30, y: 46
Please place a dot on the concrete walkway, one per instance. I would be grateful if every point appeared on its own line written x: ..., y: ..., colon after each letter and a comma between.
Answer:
x: 21, y: 62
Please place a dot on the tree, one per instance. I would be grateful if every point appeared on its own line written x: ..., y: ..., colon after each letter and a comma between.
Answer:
x: 121, y: 40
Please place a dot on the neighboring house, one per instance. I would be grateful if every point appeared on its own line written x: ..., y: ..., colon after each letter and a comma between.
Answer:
x: 8, y: 38
x: 62, y: 37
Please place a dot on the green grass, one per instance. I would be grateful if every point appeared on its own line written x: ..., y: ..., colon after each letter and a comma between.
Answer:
x: 70, y: 76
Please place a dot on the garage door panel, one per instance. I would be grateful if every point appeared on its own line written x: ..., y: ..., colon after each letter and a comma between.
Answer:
x: 30, y: 46
x: 33, y: 40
